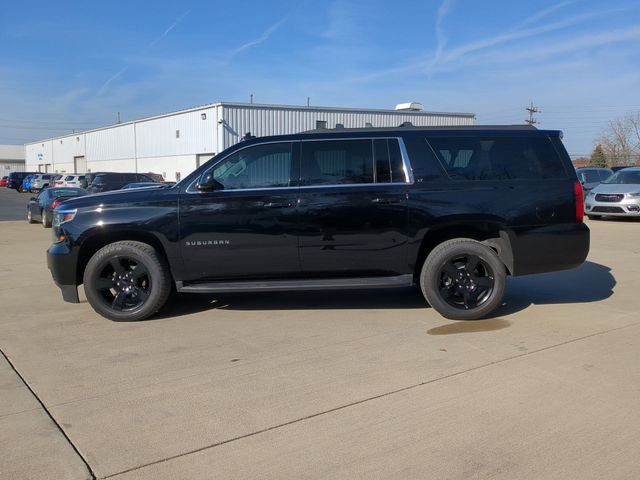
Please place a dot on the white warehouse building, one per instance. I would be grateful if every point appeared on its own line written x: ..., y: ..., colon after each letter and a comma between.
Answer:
x: 174, y: 144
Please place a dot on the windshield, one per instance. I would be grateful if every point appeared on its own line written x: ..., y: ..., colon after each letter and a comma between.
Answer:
x: 624, y: 177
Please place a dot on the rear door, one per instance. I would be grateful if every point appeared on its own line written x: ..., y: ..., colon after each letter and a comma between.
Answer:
x: 353, y: 208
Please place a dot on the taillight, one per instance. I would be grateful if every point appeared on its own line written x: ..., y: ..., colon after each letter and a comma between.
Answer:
x: 55, y: 204
x: 578, y: 197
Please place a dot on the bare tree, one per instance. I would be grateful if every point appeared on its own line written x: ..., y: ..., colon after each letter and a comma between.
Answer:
x: 621, y: 140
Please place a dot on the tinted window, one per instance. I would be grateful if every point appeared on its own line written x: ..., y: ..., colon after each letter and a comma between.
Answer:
x: 604, y: 174
x: 262, y: 166
x: 68, y: 178
x: 498, y: 158
x: 388, y: 162
x: 589, y: 176
x: 337, y: 162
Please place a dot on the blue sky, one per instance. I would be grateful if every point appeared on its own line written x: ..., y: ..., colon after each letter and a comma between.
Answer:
x: 66, y: 65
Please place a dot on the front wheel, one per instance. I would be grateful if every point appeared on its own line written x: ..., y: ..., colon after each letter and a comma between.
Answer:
x: 462, y: 279
x: 127, y: 281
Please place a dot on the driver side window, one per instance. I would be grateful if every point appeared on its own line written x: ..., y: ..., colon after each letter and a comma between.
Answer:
x: 262, y: 166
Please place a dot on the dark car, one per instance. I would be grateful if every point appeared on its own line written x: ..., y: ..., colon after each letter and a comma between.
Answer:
x: 591, y: 177
x: 41, y: 208
x: 451, y: 209
x: 619, y: 167
x: 15, y: 179
x: 104, y: 182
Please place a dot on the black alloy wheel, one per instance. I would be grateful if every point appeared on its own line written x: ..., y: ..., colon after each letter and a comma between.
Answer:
x: 126, y: 281
x: 466, y: 281
x: 124, y: 284
x: 463, y: 279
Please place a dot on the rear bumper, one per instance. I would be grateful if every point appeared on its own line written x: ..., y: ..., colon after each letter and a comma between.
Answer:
x: 550, y: 248
x: 62, y: 262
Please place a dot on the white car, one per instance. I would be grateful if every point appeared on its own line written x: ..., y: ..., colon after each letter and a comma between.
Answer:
x: 617, y: 196
x: 73, y: 180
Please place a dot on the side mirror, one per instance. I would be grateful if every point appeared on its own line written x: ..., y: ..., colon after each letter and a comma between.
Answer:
x: 208, y: 184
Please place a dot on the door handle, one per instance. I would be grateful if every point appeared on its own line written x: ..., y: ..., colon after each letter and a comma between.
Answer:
x: 277, y: 204
x: 384, y: 201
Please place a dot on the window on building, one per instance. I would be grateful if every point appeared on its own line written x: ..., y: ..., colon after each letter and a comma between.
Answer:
x: 321, y: 124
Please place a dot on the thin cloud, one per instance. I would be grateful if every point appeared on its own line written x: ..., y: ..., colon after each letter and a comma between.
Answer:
x: 262, y: 38
x: 441, y: 37
x: 118, y: 74
x: 544, y: 13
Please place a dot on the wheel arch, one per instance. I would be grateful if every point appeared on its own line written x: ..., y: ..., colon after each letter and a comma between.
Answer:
x: 491, y: 232
x: 99, y: 239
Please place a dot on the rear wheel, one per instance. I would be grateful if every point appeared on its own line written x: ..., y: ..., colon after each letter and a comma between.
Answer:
x: 127, y: 281
x: 462, y: 279
x: 29, y: 216
x: 46, y: 219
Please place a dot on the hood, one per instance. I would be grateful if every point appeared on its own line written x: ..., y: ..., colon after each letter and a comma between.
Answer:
x: 116, y: 197
x: 616, y: 188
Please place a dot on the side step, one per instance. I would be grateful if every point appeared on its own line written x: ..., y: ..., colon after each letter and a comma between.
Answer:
x: 316, y: 284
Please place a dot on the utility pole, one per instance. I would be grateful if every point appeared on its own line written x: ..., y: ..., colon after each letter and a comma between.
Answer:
x: 251, y: 98
x: 118, y: 117
x: 531, y: 109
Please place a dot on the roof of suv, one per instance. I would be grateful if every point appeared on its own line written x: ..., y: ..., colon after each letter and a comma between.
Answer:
x: 409, y: 127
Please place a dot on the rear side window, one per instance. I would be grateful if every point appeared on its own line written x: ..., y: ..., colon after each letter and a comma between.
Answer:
x: 68, y: 178
x: 589, y: 176
x: 498, y: 158
x: 344, y: 162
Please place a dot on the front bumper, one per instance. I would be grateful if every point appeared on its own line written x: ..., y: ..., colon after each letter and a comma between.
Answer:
x: 628, y: 207
x: 62, y: 262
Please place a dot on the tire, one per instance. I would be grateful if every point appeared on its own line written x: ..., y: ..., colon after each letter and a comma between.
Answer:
x: 594, y: 217
x: 29, y: 217
x: 462, y: 279
x: 116, y: 291
x: 46, y: 221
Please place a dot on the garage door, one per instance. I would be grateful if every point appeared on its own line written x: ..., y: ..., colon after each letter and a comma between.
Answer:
x: 79, y: 164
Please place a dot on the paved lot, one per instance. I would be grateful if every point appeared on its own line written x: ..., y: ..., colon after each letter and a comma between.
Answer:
x: 325, y: 385
x: 13, y: 205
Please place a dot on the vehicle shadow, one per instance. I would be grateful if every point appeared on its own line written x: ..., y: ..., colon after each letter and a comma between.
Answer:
x: 590, y: 282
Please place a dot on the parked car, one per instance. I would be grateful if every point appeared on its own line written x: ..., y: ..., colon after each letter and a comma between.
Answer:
x: 40, y: 182
x: 3, y: 181
x: 452, y: 209
x: 41, y: 208
x: 15, y: 180
x: 591, y: 177
x: 144, y: 185
x: 105, y: 182
x: 72, y: 180
x: 26, y: 183
x: 57, y: 180
x: 617, y: 196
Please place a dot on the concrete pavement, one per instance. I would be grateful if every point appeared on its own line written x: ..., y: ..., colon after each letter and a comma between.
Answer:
x: 337, y: 384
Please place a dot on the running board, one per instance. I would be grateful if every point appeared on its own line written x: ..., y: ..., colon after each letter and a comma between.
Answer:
x: 318, y: 284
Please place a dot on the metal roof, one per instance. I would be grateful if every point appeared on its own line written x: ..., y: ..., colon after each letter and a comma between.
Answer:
x: 263, y: 106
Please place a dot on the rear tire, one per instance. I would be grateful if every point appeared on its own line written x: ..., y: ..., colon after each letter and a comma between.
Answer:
x: 46, y: 221
x: 127, y: 281
x: 29, y: 217
x: 462, y: 279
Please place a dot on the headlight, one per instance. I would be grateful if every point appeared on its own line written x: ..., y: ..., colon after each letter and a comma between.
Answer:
x: 61, y: 216
x: 632, y: 195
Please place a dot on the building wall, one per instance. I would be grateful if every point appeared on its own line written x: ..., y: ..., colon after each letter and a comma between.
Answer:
x: 11, y: 159
x: 152, y: 145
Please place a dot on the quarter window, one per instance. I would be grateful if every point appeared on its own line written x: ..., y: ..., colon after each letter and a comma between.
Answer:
x: 498, y: 158
x: 262, y: 166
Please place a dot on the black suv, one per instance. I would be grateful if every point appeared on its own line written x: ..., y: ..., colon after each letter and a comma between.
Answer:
x: 104, y: 182
x: 16, y: 178
x: 452, y: 209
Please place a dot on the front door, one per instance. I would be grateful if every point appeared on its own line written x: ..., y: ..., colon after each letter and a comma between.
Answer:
x: 353, y: 208
x: 246, y: 229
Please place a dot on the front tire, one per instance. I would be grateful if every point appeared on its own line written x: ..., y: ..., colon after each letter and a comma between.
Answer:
x: 127, y: 281
x: 462, y: 279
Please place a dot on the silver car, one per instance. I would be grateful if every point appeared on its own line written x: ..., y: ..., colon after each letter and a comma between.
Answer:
x: 618, y: 195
